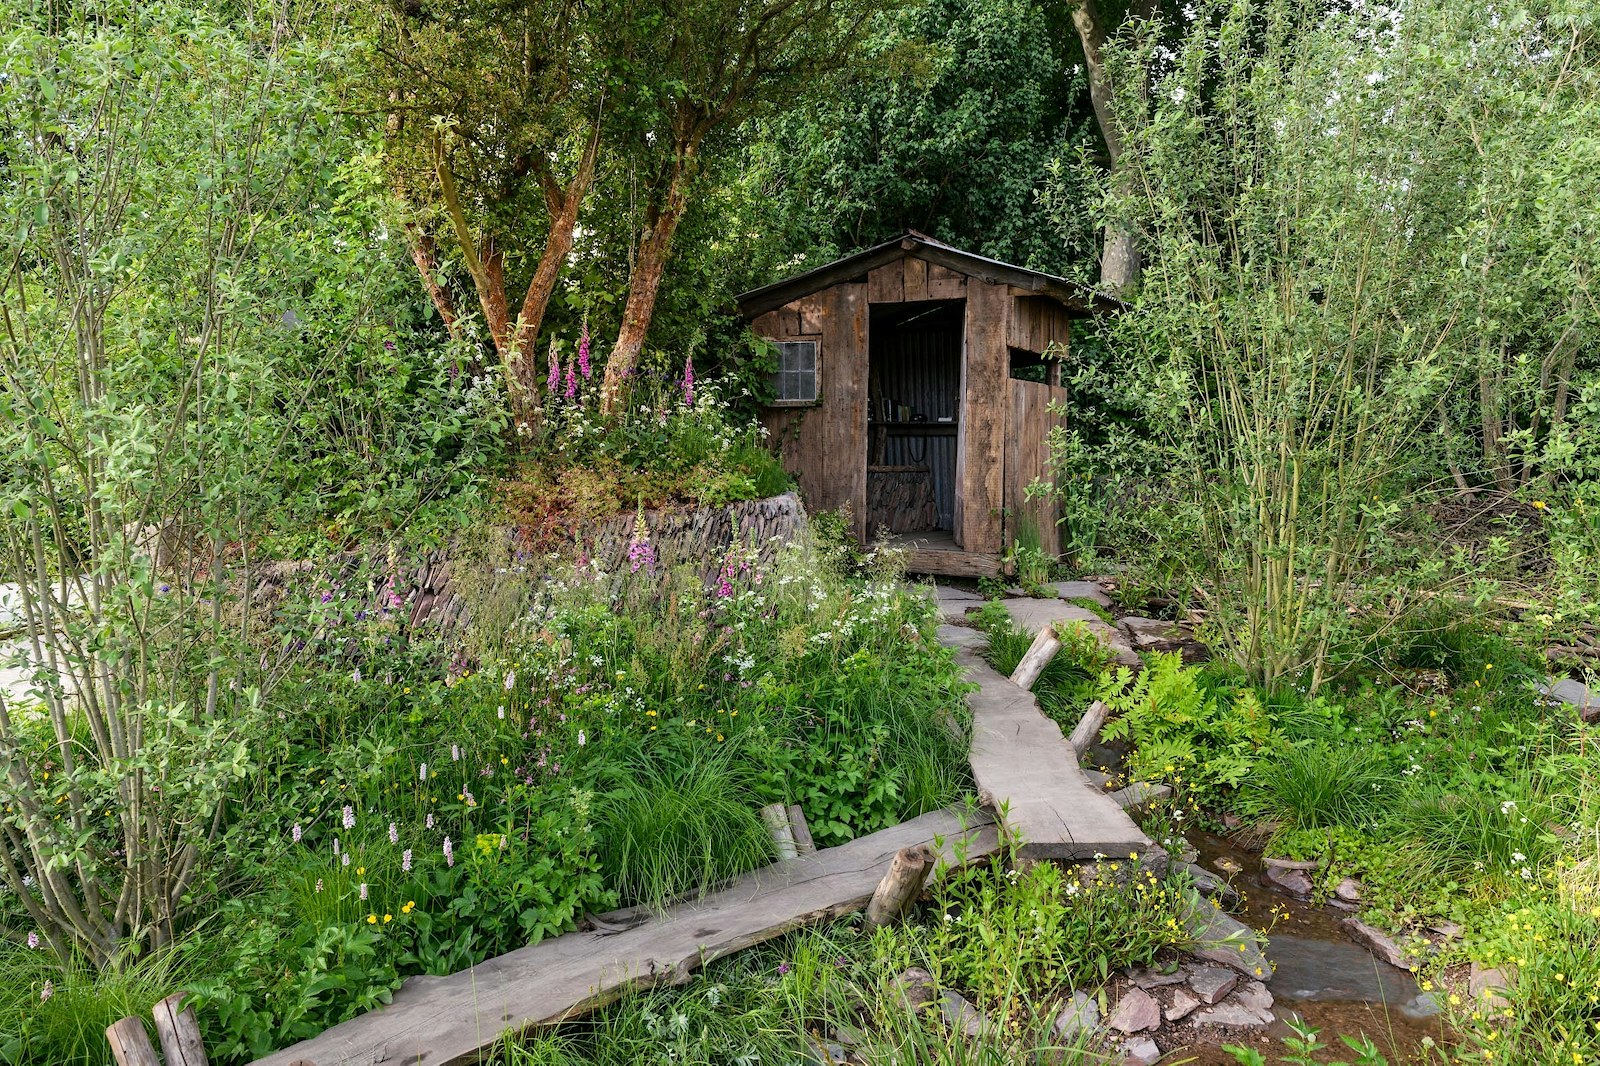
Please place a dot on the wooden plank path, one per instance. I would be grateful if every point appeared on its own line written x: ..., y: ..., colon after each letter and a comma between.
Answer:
x: 1020, y: 761
x: 435, y: 1021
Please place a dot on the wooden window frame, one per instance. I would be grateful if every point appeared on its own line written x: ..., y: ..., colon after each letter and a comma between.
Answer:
x: 816, y: 371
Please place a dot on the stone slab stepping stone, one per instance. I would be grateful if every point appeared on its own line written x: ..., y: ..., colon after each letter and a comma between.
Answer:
x: 1021, y: 762
x: 1212, y: 983
x: 1135, y: 1012
x: 961, y: 637
x: 1081, y: 590
x: 952, y: 603
x: 1567, y: 690
x: 1032, y: 615
x: 1081, y: 1015
x: 1221, y: 939
x: 1378, y: 942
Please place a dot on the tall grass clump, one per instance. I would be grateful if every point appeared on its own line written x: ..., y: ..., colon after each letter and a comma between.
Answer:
x: 52, y: 1013
x: 670, y: 830
x: 1318, y: 785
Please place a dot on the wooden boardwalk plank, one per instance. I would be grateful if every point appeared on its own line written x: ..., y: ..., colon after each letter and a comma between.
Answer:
x: 435, y: 1021
x: 1020, y: 761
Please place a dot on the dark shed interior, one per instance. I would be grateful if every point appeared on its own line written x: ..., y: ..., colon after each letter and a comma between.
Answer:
x: 914, y: 399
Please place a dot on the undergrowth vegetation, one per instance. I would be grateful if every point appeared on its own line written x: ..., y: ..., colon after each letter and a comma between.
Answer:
x: 1014, y: 943
x: 417, y: 814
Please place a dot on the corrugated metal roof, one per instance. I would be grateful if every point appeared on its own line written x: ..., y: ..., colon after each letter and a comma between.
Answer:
x: 1077, y: 297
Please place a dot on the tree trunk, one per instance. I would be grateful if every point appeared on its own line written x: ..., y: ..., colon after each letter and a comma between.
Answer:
x: 1120, y: 258
x: 564, y: 205
x: 649, y: 267
x: 425, y: 255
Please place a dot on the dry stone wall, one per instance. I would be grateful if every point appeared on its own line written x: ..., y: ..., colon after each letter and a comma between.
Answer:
x: 423, y: 591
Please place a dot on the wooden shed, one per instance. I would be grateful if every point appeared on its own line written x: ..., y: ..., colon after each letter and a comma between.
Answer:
x: 912, y: 387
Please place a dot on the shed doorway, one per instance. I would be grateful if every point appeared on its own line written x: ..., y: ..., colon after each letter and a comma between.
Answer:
x: 913, y: 405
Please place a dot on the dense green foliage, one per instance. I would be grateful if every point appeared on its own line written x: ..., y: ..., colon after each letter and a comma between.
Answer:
x: 616, y: 748
x: 949, y: 128
x: 1348, y: 420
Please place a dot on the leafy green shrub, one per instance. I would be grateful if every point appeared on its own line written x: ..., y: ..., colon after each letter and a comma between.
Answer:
x: 1318, y: 785
x: 1183, y: 732
x: 1000, y: 935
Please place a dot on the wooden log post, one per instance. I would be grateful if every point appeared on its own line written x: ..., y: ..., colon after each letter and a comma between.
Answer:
x: 1089, y: 726
x: 802, y: 832
x: 1040, y: 652
x: 130, y: 1044
x: 776, y: 817
x: 908, y: 872
x: 179, y: 1033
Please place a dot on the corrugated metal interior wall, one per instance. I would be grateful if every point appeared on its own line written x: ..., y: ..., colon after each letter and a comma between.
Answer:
x: 916, y: 365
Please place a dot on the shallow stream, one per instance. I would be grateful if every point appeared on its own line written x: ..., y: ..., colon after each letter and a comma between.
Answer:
x: 1322, y: 976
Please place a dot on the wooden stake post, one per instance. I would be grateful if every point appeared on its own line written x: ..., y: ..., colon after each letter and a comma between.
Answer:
x: 179, y: 1033
x: 900, y: 886
x: 1040, y: 652
x: 130, y: 1044
x: 1089, y: 726
x: 776, y: 817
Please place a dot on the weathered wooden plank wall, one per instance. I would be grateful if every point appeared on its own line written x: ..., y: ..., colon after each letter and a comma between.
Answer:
x: 798, y: 431
x: 1028, y: 459
x: 1036, y: 322
x: 984, y: 419
x: 844, y: 406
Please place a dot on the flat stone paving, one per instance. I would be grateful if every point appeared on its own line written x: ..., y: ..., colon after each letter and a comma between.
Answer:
x: 1033, y: 615
x: 1029, y: 775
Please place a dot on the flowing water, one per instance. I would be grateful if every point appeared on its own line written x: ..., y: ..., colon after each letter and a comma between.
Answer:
x: 1322, y: 976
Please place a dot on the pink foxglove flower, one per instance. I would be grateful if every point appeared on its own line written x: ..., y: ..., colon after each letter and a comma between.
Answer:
x: 553, y: 382
x: 641, y: 553
x: 583, y: 350
x: 572, y: 381
x: 688, y: 381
